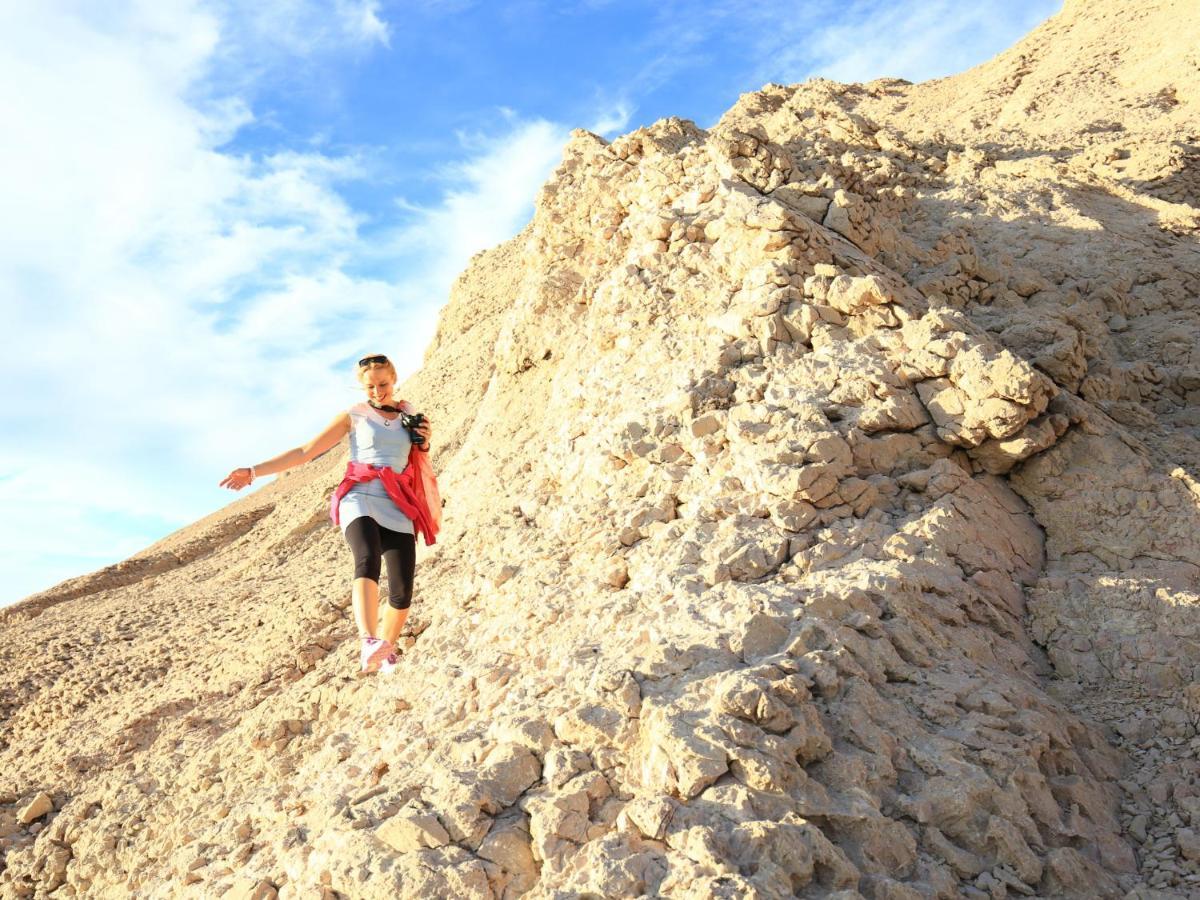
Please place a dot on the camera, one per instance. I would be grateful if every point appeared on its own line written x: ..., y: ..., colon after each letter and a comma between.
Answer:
x: 411, y: 424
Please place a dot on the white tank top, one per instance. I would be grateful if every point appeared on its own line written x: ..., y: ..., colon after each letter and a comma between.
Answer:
x: 377, y: 441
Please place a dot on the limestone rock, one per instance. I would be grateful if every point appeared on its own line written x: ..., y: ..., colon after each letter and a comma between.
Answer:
x: 411, y: 830
x: 822, y: 519
x: 508, y: 847
x: 35, y: 808
x: 251, y: 889
x: 1189, y: 843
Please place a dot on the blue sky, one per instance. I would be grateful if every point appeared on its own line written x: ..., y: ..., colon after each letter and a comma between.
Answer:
x: 212, y: 206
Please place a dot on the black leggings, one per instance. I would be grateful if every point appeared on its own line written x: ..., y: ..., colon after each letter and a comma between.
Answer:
x: 370, y: 543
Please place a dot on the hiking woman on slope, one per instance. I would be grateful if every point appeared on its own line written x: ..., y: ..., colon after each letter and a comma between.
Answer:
x: 387, y: 496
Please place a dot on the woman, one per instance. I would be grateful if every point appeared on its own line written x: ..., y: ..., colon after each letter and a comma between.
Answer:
x: 387, y: 496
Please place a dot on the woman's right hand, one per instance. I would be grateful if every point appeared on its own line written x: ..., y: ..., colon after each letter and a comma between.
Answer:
x: 237, y: 479
x: 334, y: 432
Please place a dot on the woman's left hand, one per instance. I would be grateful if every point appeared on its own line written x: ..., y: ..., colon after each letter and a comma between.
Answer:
x: 425, y: 429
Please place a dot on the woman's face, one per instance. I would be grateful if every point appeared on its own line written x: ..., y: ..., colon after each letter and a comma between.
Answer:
x: 379, y: 386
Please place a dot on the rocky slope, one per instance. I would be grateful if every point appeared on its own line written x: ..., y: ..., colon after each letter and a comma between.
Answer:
x: 822, y: 513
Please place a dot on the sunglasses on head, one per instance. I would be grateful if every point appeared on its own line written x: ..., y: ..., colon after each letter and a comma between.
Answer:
x: 368, y: 360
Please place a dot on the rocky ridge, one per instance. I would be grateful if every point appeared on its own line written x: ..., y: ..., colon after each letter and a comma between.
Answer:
x: 821, y: 521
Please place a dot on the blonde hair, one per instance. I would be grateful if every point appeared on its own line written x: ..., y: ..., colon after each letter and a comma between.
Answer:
x: 372, y: 366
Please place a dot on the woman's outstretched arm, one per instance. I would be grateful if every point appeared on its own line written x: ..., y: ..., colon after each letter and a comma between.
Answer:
x: 336, y: 430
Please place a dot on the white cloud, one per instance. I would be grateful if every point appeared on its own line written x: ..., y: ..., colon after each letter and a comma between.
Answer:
x: 488, y: 195
x: 916, y: 41
x: 298, y: 28
x: 753, y: 42
x: 612, y: 120
x: 361, y: 21
x: 494, y: 187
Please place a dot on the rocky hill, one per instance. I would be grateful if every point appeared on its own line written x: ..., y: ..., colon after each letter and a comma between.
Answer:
x: 822, y: 519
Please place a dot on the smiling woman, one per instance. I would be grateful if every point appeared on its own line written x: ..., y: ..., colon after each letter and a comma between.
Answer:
x: 388, y: 496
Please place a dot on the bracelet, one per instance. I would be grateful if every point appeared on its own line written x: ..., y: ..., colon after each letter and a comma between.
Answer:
x: 252, y: 475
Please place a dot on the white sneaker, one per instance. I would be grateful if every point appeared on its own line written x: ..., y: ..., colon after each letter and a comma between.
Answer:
x: 374, y: 651
x: 389, y: 665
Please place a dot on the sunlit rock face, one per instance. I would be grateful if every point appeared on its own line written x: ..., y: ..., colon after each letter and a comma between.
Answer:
x: 822, y: 504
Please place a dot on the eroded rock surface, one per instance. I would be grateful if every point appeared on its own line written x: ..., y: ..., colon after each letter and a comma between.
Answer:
x: 822, y: 503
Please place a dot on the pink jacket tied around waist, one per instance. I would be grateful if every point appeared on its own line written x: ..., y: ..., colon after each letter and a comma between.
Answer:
x: 414, y: 491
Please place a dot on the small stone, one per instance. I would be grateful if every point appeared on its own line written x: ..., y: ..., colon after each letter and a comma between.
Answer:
x: 368, y: 794
x: 251, y: 889
x: 1189, y: 843
x: 36, y: 808
x: 616, y: 572
x: 1138, y: 827
x: 1008, y: 877
x: 705, y: 425
x: 504, y: 574
x: 762, y: 636
x: 409, y: 831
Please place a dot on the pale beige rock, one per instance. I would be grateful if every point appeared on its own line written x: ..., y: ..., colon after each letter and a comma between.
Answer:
x: 410, y: 830
x: 1189, y: 843
x: 507, y: 771
x: 35, y: 808
x: 762, y: 636
x: 507, y: 845
x: 813, y: 484
x: 251, y: 889
x: 671, y: 758
x: 445, y: 872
